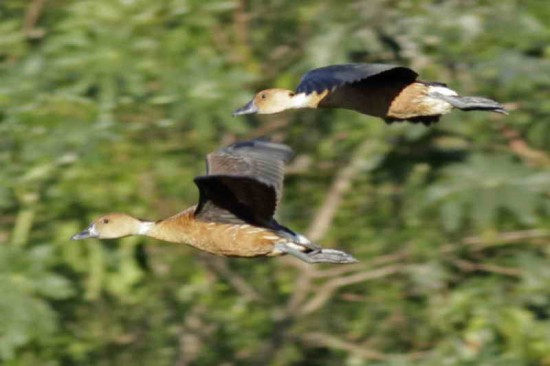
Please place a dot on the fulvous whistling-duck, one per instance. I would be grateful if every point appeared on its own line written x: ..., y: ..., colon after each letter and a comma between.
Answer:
x: 387, y: 91
x: 238, y: 197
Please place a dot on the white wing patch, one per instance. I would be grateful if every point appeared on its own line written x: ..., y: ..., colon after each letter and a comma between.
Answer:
x: 441, y: 90
x: 302, y: 239
x: 438, y: 105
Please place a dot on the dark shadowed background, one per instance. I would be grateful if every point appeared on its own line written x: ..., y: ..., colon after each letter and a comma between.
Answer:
x: 111, y: 105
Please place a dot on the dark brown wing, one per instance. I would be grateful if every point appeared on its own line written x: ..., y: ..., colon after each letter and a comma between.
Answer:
x: 244, y: 180
x: 334, y: 76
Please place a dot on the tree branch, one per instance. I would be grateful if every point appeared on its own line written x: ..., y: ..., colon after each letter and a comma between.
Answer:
x: 324, y: 217
x: 219, y: 266
x: 479, y: 243
x: 33, y: 13
x: 325, y: 292
x: 359, y: 350
x: 192, y: 336
x: 340, y: 186
x: 241, y: 20
x: 468, y: 266
x: 519, y: 146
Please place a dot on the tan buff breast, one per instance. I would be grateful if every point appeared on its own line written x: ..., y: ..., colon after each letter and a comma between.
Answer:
x: 221, y: 239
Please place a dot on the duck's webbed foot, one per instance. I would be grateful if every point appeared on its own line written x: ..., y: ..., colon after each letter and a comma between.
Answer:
x: 317, y: 256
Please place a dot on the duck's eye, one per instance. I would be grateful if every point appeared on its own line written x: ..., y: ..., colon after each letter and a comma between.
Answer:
x: 263, y: 96
x: 105, y: 221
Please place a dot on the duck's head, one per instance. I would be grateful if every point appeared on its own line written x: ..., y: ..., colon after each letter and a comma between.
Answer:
x: 112, y: 226
x: 267, y: 102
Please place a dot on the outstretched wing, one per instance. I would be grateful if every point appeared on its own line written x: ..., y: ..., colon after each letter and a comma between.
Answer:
x: 244, y: 183
x: 331, y: 77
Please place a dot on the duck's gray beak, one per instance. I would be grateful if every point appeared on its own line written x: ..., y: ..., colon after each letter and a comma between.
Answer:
x: 249, y: 108
x: 89, y: 232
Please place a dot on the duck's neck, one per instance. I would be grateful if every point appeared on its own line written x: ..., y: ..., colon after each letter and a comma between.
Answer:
x: 303, y: 100
x: 144, y: 227
x: 175, y: 229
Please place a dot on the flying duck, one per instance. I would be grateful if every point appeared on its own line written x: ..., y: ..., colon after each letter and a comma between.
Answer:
x: 238, y: 197
x: 390, y: 92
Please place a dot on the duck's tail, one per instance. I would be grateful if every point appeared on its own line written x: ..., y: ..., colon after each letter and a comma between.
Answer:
x: 471, y: 103
x: 331, y: 256
x: 302, y: 248
x: 317, y: 254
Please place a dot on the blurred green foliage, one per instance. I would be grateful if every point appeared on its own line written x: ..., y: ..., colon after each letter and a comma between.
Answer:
x: 111, y: 105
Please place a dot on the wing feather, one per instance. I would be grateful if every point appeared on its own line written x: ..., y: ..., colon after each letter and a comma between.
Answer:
x: 334, y: 76
x: 245, y: 180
